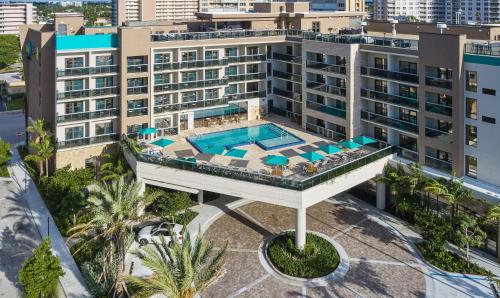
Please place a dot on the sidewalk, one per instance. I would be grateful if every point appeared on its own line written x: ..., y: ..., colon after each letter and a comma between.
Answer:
x: 72, y: 281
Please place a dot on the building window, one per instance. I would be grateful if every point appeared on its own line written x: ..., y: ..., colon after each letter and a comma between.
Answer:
x: 163, y: 78
x: 72, y: 133
x: 380, y: 108
x: 62, y: 29
x: 471, y: 81
x: 231, y: 70
x: 489, y: 91
x: 252, y: 87
x: 231, y: 52
x: 252, y: 51
x: 137, y: 86
x: 72, y: 85
x: 161, y: 123
x: 490, y: 120
x: 162, y: 58
x: 232, y: 89
x: 188, y: 56
x: 211, y: 55
x: 137, y: 107
x: 103, y: 104
x: 444, y: 99
x: 134, y: 128
x: 163, y: 100
x: 408, y: 142
x: 471, y: 135
x: 104, y: 60
x: 104, y: 128
x: 188, y: 96
x: 408, y: 67
x: 189, y: 76
x: 471, y: 166
x: 380, y: 63
x: 211, y: 74
x: 73, y: 107
x: 75, y: 62
x: 316, y: 26
x: 252, y: 68
x: 408, y: 91
x: 211, y: 94
x: 380, y: 134
x: 408, y: 115
x: 471, y: 108
x: 104, y: 82
x: 380, y: 86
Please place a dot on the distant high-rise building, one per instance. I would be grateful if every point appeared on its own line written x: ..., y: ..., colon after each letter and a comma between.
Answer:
x: 338, y: 5
x: 12, y: 15
x: 148, y: 10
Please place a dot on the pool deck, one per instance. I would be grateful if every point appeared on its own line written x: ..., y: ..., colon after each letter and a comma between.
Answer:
x: 254, y: 159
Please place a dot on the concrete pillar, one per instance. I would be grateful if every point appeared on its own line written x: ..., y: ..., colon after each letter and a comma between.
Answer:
x: 200, y: 197
x: 142, y: 190
x: 300, y: 229
x: 381, y: 195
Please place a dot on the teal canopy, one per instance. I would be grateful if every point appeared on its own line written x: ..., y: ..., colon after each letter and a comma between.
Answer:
x: 276, y: 160
x: 215, y: 150
x: 147, y: 131
x: 312, y: 156
x: 330, y: 149
x: 363, y: 140
x: 239, y: 153
x: 349, y: 145
x: 162, y: 142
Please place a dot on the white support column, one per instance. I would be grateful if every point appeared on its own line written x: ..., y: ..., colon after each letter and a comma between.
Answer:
x: 200, y: 197
x: 380, y: 194
x: 142, y: 190
x: 300, y: 229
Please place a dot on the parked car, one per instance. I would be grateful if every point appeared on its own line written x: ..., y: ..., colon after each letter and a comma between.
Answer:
x: 148, y: 234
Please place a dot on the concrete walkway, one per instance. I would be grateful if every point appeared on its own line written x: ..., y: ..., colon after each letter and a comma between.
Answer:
x: 72, y: 281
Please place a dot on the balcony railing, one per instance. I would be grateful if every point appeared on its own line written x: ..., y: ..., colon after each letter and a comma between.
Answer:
x: 88, y: 141
x: 326, y: 88
x: 287, y: 58
x: 247, y: 58
x: 224, y: 34
x: 247, y: 77
x: 388, y: 74
x: 190, y: 64
x: 391, y: 122
x: 137, y: 68
x: 439, y: 164
x: 389, y: 98
x: 247, y: 95
x: 326, y: 109
x: 137, y: 112
x: 438, y: 108
x: 81, y: 71
x: 483, y: 49
x: 191, y: 105
x: 438, y: 82
x: 105, y: 91
x: 256, y: 177
x: 73, y: 94
x: 288, y: 94
x: 287, y: 76
x: 434, y: 133
x: 137, y: 90
x: 87, y: 115
x: 340, y: 69
x: 407, y: 153
x: 334, y: 135
x: 363, y: 39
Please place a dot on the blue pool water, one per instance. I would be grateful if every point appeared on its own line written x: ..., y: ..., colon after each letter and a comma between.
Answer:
x: 266, y: 136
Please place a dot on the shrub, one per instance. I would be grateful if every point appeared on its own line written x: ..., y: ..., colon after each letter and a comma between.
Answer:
x: 433, y: 229
x: 185, y: 217
x: 169, y: 204
x: 4, y: 152
x: 318, y: 258
x: 40, y: 273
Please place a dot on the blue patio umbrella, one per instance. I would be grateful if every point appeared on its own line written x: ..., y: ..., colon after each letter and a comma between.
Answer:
x: 162, y: 142
x: 239, y: 153
x: 215, y: 150
x: 312, y: 156
x: 147, y: 131
x: 276, y: 160
x: 349, y: 144
x: 330, y: 149
x: 363, y: 140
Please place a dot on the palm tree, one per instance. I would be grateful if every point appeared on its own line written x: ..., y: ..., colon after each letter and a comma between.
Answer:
x: 452, y: 190
x: 114, y: 166
x: 115, y: 209
x: 179, y: 270
x: 39, y: 128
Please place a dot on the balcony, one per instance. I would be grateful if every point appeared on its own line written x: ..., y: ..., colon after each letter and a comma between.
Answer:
x: 137, y: 90
x: 247, y: 95
x: 105, y: 91
x: 82, y: 71
x: 73, y: 94
x: 485, y: 49
x: 137, y: 68
x: 407, y: 153
x: 190, y: 85
x: 224, y: 35
x: 247, y: 58
x: 287, y: 58
x: 319, y: 86
x: 438, y: 82
x: 438, y: 108
x: 388, y: 74
x: 441, y: 135
x: 88, y: 141
x: 340, y: 69
x: 247, y: 77
x: 87, y: 115
x: 190, y: 64
x: 192, y: 105
x: 287, y: 76
x: 391, y: 122
x: 137, y: 112
x: 326, y: 109
x: 288, y: 94
x: 389, y: 98
x: 439, y: 164
x: 334, y: 135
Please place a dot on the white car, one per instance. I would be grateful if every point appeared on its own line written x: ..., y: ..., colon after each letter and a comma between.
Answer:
x: 149, y: 234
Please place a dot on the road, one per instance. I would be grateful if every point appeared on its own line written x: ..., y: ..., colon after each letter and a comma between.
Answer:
x: 10, y: 124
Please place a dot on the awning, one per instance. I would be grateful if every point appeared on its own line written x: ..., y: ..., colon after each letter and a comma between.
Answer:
x: 276, y: 160
x: 162, y: 142
x: 312, y: 156
x: 147, y: 131
x: 349, y: 145
x: 330, y: 149
x: 363, y: 140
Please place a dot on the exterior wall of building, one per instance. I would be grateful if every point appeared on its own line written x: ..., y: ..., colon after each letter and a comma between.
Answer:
x: 14, y: 15
x: 76, y: 158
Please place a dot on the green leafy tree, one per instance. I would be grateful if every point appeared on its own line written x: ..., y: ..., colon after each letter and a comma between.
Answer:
x: 169, y: 204
x: 115, y: 209
x: 179, y: 270
x: 433, y: 229
x: 468, y: 234
x: 9, y: 50
x: 114, y: 166
x: 40, y: 273
x: 4, y: 152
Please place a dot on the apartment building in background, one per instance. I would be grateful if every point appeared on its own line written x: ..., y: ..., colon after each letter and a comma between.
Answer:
x: 431, y: 96
x: 155, y: 10
x: 338, y: 5
x: 13, y: 15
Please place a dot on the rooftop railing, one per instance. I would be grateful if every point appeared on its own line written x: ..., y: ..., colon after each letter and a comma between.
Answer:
x: 223, y: 34
x: 381, y: 151
x: 483, y: 49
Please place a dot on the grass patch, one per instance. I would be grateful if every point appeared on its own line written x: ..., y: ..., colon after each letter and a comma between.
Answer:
x: 318, y: 258
x: 3, y: 171
x: 16, y: 104
x: 450, y: 262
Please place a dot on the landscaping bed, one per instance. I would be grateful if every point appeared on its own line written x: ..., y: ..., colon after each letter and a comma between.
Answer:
x: 16, y: 103
x: 318, y: 258
x: 3, y: 171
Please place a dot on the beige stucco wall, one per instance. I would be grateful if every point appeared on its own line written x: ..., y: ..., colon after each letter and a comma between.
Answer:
x: 76, y: 157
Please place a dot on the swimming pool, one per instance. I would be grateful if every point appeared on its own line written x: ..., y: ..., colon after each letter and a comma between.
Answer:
x: 267, y: 136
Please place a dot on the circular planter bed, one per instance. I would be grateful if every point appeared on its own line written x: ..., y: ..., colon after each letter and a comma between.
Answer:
x: 318, y: 258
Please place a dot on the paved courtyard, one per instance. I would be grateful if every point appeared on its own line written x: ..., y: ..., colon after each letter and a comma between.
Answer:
x: 382, y: 263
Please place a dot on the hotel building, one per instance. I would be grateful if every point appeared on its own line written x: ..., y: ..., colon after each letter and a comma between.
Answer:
x: 429, y: 97
x: 13, y: 15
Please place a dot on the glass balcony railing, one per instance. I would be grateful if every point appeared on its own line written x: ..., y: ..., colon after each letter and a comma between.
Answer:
x: 287, y: 58
x: 81, y: 71
x: 137, y: 68
x: 246, y: 77
x: 438, y: 108
x: 391, y: 122
x: 438, y: 82
x: 137, y: 90
x: 287, y: 76
x: 329, y: 133
x: 88, y: 141
x: 377, y: 152
x: 388, y: 74
x: 407, y: 153
x: 288, y: 94
x: 190, y: 64
x: 434, y: 133
x: 224, y: 34
x: 389, y: 98
x: 137, y: 112
x: 105, y: 91
x: 73, y: 94
x: 87, y: 115
x: 443, y: 165
x: 340, y: 69
x: 191, y: 85
x: 392, y: 42
x: 326, y: 88
x: 326, y: 109
x: 485, y: 49
x: 247, y: 95
x: 247, y: 58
